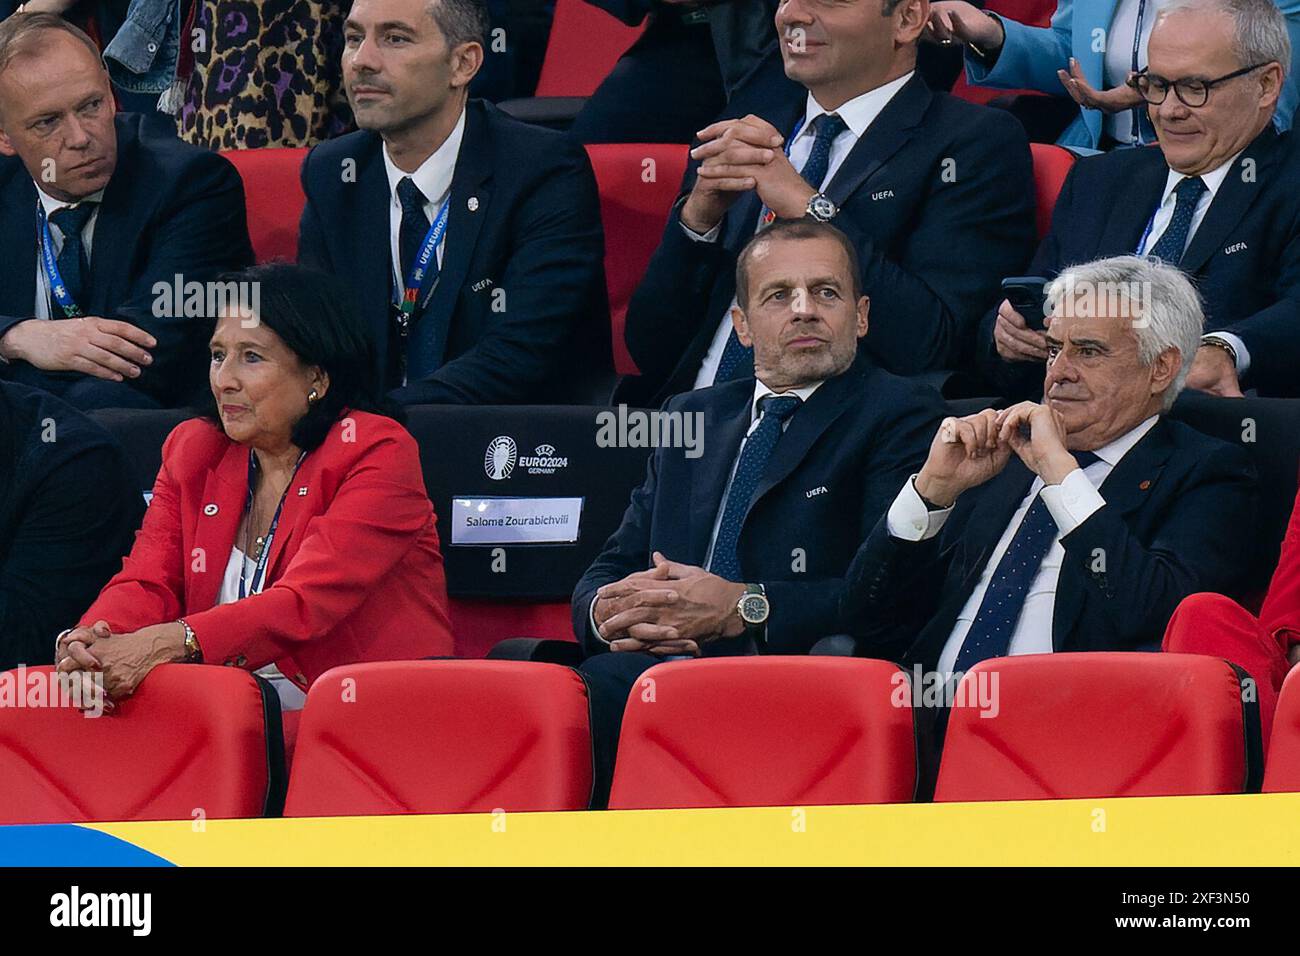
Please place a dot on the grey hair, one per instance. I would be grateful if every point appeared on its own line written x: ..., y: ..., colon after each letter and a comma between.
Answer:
x: 461, y: 21
x: 1163, y: 304
x: 23, y: 33
x: 1259, y: 29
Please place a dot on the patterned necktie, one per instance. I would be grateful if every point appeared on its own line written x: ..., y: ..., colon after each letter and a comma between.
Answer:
x: 1174, y: 240
x: 829, y: 126
x: 74, y: 266
x: 415, y: 225
x: 995, y: 622
x: 774, y: 409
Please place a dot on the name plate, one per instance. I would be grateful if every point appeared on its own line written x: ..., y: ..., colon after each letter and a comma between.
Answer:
x: 515, y: 520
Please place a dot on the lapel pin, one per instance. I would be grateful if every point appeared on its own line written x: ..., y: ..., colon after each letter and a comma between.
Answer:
x: 1145, y: 485
x: 472, y: 203
x: 302, y: 491
x: 209, y: 510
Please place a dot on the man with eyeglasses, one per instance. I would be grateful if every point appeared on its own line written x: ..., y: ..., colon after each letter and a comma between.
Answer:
x: 1216, y: 197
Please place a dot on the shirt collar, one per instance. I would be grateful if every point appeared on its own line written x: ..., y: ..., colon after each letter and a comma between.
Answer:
x: 761, y: 392
x: 858, y: 112
x: 1213, y: 179
x: 1113, y: 452
x: 434, y: 175
x: 52, y: 205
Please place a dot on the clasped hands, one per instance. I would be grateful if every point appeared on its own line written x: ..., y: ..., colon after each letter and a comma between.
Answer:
x: 124, y: 660
x: 967, y: 452
x: 671, y: 608
x: 736, y: 156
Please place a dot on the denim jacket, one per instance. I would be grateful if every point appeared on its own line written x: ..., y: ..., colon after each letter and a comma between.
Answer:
x: 141, y: 57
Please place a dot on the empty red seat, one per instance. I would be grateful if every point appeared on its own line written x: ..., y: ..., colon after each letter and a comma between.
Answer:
x: 479, y: 625
x: 766, y: 731
x: 1051, y: 166
x: 442, y: 737
x: 192, y: 740
x: 1282, y: 772
x: 584, y: 45
x: 1096, y: 725
x: 273, y: 198
x: 638, y: 183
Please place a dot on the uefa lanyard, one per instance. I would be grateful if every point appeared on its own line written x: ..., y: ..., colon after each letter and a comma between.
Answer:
x: 767, y: 217
x: 1136, y: 132
x: 424, y: 270
x: 259, y: 572
x: 60, y: 292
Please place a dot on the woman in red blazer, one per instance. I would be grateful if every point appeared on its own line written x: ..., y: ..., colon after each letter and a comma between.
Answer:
x: 1267, y: 646
x: 291, y: 532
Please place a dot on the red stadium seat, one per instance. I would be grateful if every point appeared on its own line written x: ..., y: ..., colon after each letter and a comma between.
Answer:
x: 584, y: 45
x: 192, y: 739
x: 1282, y: 771
x: 637, y: 183
x: 1051, y: 166
x: 273, y: 197
x: 1097, y: 725
x: 442, y: 737
x: 766, y: 731
x: 479, y: 625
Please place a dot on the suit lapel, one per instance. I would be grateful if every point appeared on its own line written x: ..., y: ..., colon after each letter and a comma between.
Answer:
x: 1128, y: 487
x: 1126, y: 220
x: 1237, y: 194
x: 368, y: 246
x: 886, y: 135
x: 225, y: 494
x: 725, y: 425
x: 18, y: 246
x: 991, y: 514
x: 117, y: 227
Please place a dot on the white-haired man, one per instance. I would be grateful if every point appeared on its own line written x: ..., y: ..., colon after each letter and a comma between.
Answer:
x: 1077, y: 524
x: 1215, y: 198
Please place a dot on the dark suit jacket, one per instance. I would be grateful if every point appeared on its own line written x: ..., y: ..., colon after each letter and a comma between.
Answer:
x: 833, y: 472
x: 68, y: 512
x: 519, y: 311
x: 935, y: 197
x: 1177, y: 510
x: 1244, y: 257
x: 169, y: 209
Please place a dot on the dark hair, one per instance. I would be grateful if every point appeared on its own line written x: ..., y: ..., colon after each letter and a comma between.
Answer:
x: 19, y: 34
x: 461, y: 21
x: 313, y: 314
x: 796, y: 229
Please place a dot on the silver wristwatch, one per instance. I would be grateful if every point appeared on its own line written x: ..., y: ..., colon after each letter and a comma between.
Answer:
x: 821, y: 208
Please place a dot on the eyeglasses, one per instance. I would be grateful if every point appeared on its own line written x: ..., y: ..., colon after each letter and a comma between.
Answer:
x: 1190, y: 92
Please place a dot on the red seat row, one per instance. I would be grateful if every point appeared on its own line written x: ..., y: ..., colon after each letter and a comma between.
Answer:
x: 452, y: 736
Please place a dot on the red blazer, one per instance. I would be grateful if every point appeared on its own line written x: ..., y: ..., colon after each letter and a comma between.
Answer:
x: 1280, y: 613
x: 354, y: 574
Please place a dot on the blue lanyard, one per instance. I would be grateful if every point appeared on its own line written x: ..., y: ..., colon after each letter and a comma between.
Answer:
x: 423, y: 270
x: 60, y: 292
x: 1137, y: 39
x: 1146, y: 233
x: 259, y: 571
x: 767, y: 217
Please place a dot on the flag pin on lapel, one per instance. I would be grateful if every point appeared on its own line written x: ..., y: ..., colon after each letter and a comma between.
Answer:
x: 302, y: 491
x: 1145, y: 484
x: 209, y: 510
x: 472, y: 203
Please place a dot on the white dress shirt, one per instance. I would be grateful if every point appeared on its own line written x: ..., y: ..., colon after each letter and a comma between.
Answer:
x: 52, y: 205
x: 1213, y: 180
x: 858, y: 114
x: 1070, y: 504
x: 433, y: 177
x: 1117, y: 62
x: 290, y: 694
x: 761, y: 391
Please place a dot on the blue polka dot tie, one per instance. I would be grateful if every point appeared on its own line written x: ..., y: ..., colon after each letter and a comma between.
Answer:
x: 995, y: 622
x: 1174, y: 240
x: 829, y: 126
x: 775, y: 409
x: 72, y: 261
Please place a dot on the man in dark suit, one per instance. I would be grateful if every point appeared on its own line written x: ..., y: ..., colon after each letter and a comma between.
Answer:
x: 1073, y: 525
x: 933, y: 192
x: 100, y: 218
x: 473, y: 241
x: 69, y: 507
x: 1216, y: 198
x: 742, y: 549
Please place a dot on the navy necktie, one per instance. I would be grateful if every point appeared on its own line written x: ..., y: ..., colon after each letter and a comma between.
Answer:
x: 74, y: 266
x: 829, y: 126
x: 415, y: 225
x: 995, y: 622
x: 775, y: 409
x: 1174, y: 240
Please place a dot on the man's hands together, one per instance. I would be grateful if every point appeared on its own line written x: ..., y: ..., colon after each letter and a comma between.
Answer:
x: 736, y: 156
x: 670, y: 609
x: 967, y: 452
x: 104, y: 348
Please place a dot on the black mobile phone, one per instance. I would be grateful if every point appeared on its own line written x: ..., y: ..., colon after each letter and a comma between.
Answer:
x: 1025, y: 293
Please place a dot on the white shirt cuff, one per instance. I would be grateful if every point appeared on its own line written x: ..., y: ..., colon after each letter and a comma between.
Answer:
x: 1243, y: 353
x: 908, y: 519
x: 591, y: 616
x: 710, y: 236
x: 1072, y: 502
